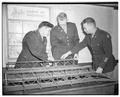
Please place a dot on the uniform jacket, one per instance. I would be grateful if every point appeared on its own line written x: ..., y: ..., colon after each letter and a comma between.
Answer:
x: 33, y: 49
x: 100, y: 47
x: 62, y: 42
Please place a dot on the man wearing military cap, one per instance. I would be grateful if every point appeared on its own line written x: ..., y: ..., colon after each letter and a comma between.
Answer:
x: 64, y: 36
x: 99, y: 43
x: 35, y: 46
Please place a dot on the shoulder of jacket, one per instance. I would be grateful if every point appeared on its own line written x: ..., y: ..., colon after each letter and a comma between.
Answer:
x: 56, y: 28
x: 70, y: 23
x: 29, y: 34
x: 104, y: 34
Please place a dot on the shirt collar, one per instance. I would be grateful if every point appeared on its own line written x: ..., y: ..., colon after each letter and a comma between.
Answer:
x: 96, y: 32
x: 40, y: 35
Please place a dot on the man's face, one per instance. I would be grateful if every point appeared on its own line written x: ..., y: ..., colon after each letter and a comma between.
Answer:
x: 45, y: 31
x: 62, y: 21
x: 88, y: 28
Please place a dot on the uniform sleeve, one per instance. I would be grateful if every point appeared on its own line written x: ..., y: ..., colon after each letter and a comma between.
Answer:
x: 81, y: 45
x: 35, y: 48
x: 107, y: 46
x: 76, y: 38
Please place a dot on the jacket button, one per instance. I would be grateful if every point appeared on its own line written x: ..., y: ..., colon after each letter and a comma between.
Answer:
x: 94, y: 52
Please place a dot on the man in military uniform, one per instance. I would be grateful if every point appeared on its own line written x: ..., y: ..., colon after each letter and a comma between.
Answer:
x: 34, y: 46
x: 63, y: 37
x: 99, y: 44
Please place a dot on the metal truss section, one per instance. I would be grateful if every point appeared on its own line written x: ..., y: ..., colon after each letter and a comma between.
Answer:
x: 59, y: 74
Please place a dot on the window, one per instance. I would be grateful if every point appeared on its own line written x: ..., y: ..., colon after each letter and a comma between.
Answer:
x: 22, y: 19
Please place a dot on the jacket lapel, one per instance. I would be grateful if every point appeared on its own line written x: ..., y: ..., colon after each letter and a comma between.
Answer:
x: 39, y: 37
x: 68, y: 29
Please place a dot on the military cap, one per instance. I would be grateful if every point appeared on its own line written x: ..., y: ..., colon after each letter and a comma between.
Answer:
x: 45, y: 23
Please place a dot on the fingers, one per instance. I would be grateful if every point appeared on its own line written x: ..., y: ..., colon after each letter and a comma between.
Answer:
x: 63, y: 57
x: 75, y: 57
x: 99, y: 70
x: 51, y: 59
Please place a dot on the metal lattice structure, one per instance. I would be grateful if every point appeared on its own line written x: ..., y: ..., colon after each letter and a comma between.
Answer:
x: 59, y: 74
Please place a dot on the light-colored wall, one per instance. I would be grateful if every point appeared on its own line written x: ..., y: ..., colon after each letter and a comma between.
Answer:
x: 4, y: 36
x: 76, y: 13
x: 115, y: 34
x: 105, y: 17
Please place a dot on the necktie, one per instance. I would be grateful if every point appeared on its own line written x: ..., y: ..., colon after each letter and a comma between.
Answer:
x: 45, y: 41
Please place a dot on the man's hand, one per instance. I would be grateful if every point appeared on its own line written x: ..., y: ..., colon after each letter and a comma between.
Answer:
x: 66, y: 55
x: 99, y: 70
x: 51, y: 58
x: 76, y: 57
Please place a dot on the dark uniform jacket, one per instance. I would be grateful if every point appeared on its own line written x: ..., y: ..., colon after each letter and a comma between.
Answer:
x: 33, y: 49
x: 100, y: 47
x: 62, y: 42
